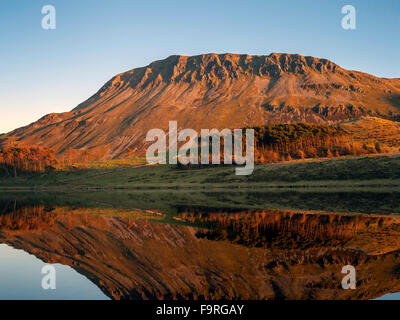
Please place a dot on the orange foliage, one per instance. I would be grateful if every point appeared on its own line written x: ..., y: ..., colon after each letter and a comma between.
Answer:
x: 300, y: 141
x: 283, y: 228
x: 23, y: 159
x: 27, y: 219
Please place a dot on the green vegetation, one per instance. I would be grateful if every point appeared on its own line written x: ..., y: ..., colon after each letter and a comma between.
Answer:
x: 105, y: 164
x: 279, y: 134
x: 348, y: 172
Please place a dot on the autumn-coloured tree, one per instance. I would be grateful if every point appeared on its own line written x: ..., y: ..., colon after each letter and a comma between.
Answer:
x: 15, y: 160
x: 23, y: 219
x: 283, y: 228
x: 285, y: 142
x: 300, y: 141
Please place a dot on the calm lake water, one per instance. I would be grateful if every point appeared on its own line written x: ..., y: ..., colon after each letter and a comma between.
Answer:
x: 21, y: 278
x: 244, y: 245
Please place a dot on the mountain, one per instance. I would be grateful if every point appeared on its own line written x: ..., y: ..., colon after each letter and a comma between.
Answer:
x: 210, y: 91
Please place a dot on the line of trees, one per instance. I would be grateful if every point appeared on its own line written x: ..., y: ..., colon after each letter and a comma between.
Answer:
x: 285, y: 142
x: 27, y: 219
x: 269, y: 228
x: 16, y: 160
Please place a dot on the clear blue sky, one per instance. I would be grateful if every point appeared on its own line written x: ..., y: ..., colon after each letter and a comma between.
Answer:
x: 43, y: 71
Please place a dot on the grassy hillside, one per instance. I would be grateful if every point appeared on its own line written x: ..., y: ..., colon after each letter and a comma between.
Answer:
x: 370, y: 130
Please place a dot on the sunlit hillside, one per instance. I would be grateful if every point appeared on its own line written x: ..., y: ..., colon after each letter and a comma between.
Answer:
x: 371, y: 129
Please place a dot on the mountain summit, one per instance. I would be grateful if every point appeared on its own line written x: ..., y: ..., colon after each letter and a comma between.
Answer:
x: 211, y: 91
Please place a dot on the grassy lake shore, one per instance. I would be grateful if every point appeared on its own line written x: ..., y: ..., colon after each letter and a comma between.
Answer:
x: 381, y: 171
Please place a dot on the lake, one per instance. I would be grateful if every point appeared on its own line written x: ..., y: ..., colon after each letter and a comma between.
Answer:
x: 265, y: 244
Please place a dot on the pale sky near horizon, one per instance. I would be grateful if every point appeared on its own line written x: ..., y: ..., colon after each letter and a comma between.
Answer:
x: 44, y: 71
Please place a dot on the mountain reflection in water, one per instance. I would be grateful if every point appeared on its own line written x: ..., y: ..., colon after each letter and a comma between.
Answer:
x: 240, y: 254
